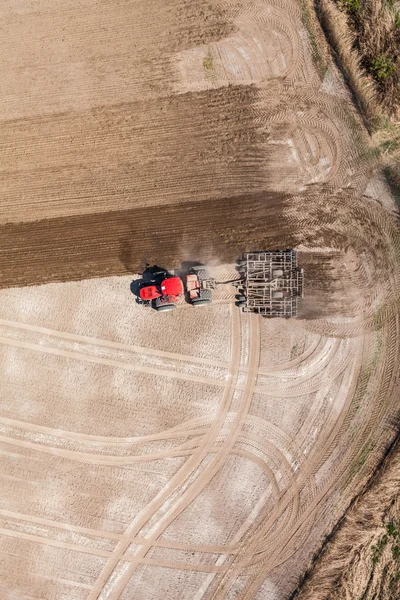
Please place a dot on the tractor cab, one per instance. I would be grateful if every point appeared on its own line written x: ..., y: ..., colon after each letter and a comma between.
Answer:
x: 172, y: 287
x: 161, y: 292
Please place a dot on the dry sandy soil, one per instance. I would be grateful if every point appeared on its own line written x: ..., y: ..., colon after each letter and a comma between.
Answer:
x: 194, y: 455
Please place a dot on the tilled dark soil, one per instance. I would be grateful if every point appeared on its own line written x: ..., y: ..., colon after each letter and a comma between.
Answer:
x: 121, y: 242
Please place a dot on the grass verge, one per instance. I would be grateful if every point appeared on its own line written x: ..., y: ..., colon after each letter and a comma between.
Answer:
x: 365, y: 38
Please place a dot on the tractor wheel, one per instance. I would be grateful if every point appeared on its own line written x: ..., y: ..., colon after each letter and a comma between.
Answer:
x: 240, y: 297
x: 165, y: 307
x: 205, y: 295
x: 161, y: 306
x: 202, y: 274
x: 240, y: 304
x: 201, y: 301
x: 241, y: 262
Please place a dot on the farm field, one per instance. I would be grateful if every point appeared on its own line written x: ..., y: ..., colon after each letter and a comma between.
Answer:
x: 204, y: 464
x: 201, y: 454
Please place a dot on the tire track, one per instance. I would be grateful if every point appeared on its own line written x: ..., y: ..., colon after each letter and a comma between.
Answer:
x: 6, y: 514
x: 265, y: 45
x: 185, y: 429
x: 189, y: 468
x: 362, y: 435
x: 374, y: 240
x: 284, y: 367
x: 110, y: 363
x: 64, y: 335
x: 106, y: 554
x: 342, y: 468
x: 209, y: 471
x: 325, y: 369
x: 251, y: 547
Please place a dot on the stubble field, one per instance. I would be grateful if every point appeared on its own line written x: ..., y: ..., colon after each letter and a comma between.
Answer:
x: 193, y: 455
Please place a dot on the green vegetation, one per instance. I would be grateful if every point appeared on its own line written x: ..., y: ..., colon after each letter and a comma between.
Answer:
x: 392, y: 529
x: 389, y: 146
x: 375, y: 27
x: 308, y: 18
x: 392, y: 537
x: 392, y: 176
x: 378, y: 548
x: 351, y: 6
x: 361, y: 460
x: 294, y: 350
x: 208, y: 64
x: 382, y: 67
x: 388, y: 138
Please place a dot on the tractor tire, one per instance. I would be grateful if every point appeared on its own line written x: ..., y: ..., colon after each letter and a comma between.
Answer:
x: 161, y: 306
x: 203, y: 275
x: 165, y: 307
x: 205, y: 295
x: 201, y: 302
x: 240, y: 304
x: 241, y: 262
x: 201, y: 272
x: 240, y: 297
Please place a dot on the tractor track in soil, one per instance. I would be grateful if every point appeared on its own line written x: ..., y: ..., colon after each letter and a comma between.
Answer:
x: 250, y: 561
x: 111, y: 362
x: 249, y: 555
x: 265, y: 45
x: 65, y: 335
x: 216, y: 463
x: 283, y: 546
x: 9, y: 515
x: 196, y: 436
x: 189, y: 467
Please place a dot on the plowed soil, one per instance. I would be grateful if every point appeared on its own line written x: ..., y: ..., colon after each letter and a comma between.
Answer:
x: 190, y: 455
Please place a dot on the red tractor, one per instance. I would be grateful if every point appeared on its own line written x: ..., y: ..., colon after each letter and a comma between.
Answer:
x: 162, y: 290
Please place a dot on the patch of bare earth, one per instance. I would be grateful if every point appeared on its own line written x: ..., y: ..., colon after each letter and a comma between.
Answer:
x: 190, y: 455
